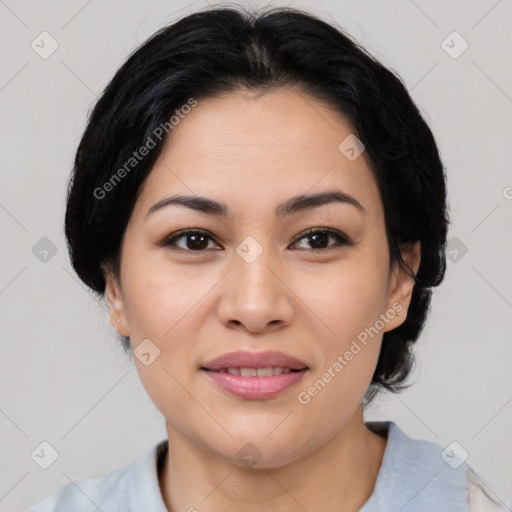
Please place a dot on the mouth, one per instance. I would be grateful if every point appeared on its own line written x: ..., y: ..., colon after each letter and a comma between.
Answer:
x: 268, y: 371
x: 248, y: 361
x: 255, y: 376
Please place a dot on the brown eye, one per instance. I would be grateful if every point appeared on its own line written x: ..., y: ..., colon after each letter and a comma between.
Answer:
x: 318, y: 238
x: 194, y: 240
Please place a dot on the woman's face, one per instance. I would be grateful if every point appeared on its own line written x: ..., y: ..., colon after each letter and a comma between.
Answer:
x: 254, y: 281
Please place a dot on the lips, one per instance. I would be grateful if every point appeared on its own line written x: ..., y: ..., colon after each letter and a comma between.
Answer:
x: 246, y: 359
x: 254, y: 375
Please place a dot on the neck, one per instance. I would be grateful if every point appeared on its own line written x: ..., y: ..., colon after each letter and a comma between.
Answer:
x: 193, y: 477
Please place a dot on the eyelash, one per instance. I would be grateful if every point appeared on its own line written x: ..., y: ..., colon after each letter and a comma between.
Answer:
x: 340, y: 238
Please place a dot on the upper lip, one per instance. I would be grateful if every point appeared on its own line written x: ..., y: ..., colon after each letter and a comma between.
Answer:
x: 245, y: 359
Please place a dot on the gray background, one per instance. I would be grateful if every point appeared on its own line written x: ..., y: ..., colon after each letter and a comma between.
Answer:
x: 63, y: 377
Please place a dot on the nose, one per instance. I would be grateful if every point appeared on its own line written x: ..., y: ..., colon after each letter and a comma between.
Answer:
x: 255, y: 295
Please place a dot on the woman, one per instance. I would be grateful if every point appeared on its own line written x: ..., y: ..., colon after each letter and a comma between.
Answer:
x: 264, y: 209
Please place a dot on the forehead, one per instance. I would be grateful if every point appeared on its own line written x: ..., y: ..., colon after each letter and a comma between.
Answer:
x: 243, y: 148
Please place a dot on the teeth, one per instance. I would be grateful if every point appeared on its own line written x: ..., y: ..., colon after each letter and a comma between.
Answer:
x: 256, y: 372
x: 266, y: 372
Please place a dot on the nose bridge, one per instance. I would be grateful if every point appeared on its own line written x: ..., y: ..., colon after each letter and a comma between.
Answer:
x: 254, y: 295
x: 252, y: 272
x: 252, y: 269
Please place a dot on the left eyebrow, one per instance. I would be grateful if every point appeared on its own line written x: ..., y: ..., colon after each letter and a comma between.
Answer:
x: 306, y: 202
x: 295, y: 204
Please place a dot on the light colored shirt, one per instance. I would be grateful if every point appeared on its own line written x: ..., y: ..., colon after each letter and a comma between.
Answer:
x: 415, y: 476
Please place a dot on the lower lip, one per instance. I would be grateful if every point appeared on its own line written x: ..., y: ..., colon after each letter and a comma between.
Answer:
x: 255, y: 388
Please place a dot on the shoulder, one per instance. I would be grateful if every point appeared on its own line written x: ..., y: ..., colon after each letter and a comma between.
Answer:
x: 419, y: 475
x: 107, y: 492
x: 480, y: 497
x: 112, y: 492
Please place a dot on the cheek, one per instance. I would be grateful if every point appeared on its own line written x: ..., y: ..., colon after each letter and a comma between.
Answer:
x: 168, y: 307
x: 345, y: 299
x: 344, y: 305
x: 348, y: 350
x: 159, y: 299
x: 165, y: 310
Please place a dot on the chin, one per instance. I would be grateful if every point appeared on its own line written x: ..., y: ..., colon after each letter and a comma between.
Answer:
x: 258, y: 449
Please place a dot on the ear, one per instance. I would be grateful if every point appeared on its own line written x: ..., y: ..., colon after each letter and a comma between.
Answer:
x: 401, y: 284
x: 115, y: 301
